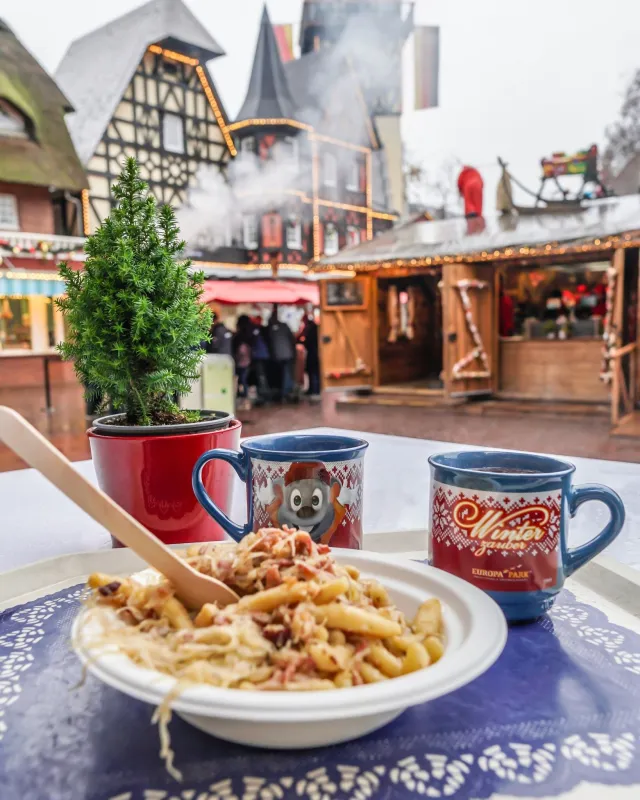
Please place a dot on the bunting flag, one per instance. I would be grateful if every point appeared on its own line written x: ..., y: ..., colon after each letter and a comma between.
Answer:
x: 427, y: 64
x: 284, y: 38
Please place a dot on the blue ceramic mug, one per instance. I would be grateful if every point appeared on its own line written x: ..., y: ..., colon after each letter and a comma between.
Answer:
x: 500, y: 520
x: 308, y: 481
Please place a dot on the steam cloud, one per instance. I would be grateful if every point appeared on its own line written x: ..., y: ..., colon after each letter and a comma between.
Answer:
x: 213, y: 212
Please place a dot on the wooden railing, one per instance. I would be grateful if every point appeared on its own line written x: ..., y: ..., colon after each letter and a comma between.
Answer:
x: 623, y: 383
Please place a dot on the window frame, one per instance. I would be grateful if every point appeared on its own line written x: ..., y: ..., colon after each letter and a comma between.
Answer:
x: 167, y: 115
x: 249, y: 140
x: 353, y: 177
x: 329, y: 176
x: 250, y: 243
x: 293, y: 226
x: 324, y: 239
x: 351, y: 229
x: 13, y: 201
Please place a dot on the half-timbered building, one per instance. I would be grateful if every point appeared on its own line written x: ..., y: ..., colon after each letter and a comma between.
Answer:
x: 140, y: 87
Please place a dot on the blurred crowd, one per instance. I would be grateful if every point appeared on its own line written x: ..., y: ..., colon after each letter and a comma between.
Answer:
x: 273, y: 363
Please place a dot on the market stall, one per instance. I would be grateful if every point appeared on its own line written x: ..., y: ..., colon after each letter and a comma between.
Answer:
x: 537, y: 307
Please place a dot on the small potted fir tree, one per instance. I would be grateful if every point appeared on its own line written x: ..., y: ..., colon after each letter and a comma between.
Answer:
x: 135, y: 329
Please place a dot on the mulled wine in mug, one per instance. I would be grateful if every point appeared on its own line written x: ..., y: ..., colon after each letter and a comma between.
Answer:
x: 500, y: 520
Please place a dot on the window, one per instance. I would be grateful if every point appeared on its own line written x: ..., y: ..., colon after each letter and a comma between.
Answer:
x: 353, y: 177
x: 12, y: 122
x: 248, y: 145
x: 294, y: 234
x: 173, y: 133
x: 329, y: 170
x: 9, y: 213
x: 272, y: 230
x: 15, y: 324
x: 353, y: 235
x: 345, y: 294
x: 250, y: 231
x: 290, y: 147
x: 554, y: 301
x: 331, y: 244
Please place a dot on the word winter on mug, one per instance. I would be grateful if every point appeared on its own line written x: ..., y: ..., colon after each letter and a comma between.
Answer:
x: 497, y: 525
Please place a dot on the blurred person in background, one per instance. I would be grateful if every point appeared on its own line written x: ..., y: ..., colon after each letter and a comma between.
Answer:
x: 221, y: 337
x: 260, y: 359
x: 282, y: 348
x: 308, y: 337
x: 242, y: 343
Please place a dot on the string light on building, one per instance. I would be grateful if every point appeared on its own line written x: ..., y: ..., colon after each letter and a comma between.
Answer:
x: 216, y: 110
x: 245, y: 123
x: 550, y: 250
x: 84, y: 196
x: 172, y: 55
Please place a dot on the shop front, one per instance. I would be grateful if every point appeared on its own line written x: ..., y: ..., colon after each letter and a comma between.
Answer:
x: 537, y: 308
x: 31, y: 325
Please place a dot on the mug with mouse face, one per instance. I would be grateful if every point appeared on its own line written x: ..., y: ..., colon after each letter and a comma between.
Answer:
x: 500, y: 520
x: 312, y: 482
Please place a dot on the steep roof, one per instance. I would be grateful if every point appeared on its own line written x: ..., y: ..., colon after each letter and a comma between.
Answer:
x: 97, y: 68
x: 268, y: 95
x: 50, y: 160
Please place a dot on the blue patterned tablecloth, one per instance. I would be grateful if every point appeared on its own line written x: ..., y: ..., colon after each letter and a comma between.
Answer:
x: 560, y: 706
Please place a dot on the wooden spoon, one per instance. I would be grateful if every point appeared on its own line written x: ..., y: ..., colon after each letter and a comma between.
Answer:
x: 192, y: 587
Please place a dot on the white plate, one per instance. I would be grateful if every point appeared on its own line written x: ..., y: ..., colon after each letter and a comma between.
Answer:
x: 476, y: 634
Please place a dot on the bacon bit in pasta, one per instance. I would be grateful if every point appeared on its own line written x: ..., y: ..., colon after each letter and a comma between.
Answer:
x: 324, y: 548
x: 272, y: 577
x: 110, y: 589
x: 303, y: 543
x: 306, y: 570
x: 279, y: 635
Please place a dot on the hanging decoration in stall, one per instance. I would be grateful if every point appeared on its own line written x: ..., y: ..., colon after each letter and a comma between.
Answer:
x: 609, y: 335
x: 478, y: 352
x: 393, y: 316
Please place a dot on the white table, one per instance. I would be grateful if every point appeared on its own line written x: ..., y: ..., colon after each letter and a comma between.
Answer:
x: 37, y: 522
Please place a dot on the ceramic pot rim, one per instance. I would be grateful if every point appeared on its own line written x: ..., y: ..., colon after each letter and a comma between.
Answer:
x: 218, y: 421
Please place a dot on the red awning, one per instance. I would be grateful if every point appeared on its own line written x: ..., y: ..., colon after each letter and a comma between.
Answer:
x: 286, y: 293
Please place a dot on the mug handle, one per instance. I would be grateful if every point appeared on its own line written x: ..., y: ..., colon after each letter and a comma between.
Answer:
x: 239, y: 462
x: 578, y: 556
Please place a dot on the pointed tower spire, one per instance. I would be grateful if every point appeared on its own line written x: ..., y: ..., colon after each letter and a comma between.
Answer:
x: 268, y: 95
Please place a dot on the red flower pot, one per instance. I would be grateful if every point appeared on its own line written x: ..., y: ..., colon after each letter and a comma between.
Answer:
x: 150, y: 477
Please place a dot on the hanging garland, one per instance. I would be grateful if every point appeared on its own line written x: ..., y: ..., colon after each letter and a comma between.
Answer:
x: 478, y: 352
x: 609, y: 335
x: 46, y: 249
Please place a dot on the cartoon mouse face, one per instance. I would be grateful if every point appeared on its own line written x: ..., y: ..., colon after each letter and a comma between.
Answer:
x: 307, y: 498
x: 306, y: 503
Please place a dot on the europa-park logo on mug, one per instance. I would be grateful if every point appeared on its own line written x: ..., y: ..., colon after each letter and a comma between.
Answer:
x: 498, y: 541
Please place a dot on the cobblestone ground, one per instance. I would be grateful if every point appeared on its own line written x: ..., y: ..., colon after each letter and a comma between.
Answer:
x: 562, y: 435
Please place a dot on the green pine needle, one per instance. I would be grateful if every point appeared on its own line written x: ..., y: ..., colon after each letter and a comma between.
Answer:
x: 135, y: 320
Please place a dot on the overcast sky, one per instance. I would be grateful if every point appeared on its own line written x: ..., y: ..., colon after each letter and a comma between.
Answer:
x: 517, y: 79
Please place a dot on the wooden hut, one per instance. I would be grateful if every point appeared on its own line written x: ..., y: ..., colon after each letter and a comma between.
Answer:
x: 539, y: 307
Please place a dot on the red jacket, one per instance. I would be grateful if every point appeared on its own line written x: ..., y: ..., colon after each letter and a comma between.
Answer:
x: 470, y: 186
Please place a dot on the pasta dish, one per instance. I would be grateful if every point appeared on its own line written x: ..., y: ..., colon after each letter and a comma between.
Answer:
x: 303, y: 621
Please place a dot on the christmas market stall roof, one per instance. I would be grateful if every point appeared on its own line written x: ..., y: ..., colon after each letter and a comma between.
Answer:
x: 599, y: 226
x: 45, y: 156
x: 97, y: 68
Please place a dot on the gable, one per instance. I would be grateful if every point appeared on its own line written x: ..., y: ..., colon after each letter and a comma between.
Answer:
x: 161, y: 85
